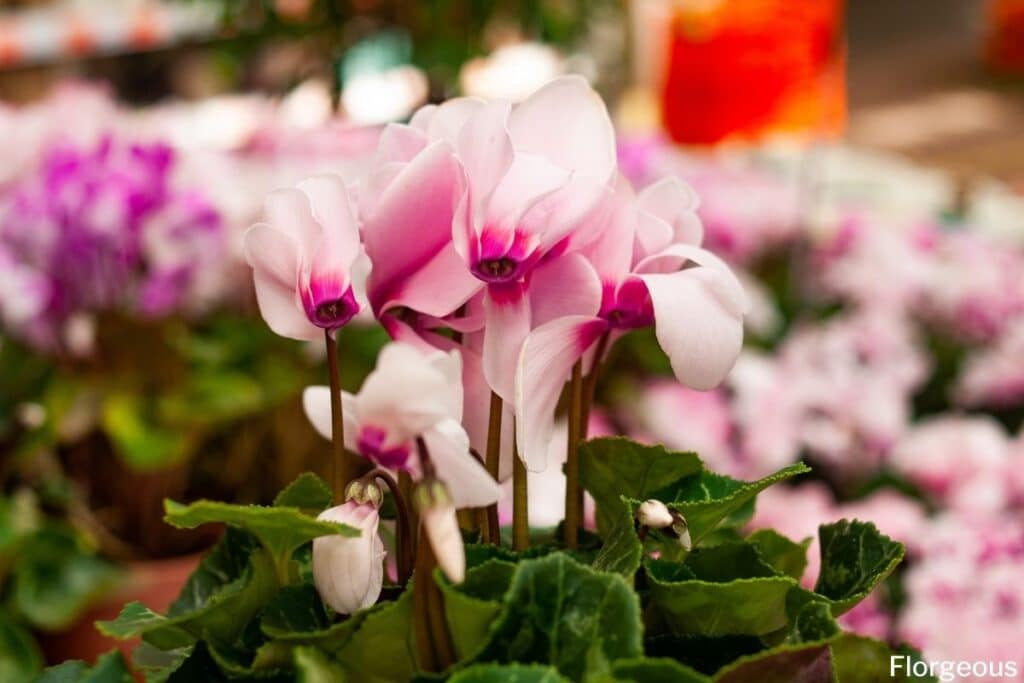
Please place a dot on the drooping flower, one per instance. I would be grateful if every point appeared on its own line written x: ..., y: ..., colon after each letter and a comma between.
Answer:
x: 304, y: 258
x: 441, y: 525
x: 349, y: 571
x: 649, y: 270
x: 410, y: 396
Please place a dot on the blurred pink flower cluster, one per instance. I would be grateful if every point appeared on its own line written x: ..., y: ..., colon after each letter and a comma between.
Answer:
x: 103, y: 207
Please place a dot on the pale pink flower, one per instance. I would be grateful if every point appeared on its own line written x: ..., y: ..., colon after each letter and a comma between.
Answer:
x: 690, y: 296
x: 349, y: 571
x: 993, y: 375
x: 684, y: 419
x: 410, y: 395
x: 491, y: 192
x: 304, y: 257
x: 958, y: 461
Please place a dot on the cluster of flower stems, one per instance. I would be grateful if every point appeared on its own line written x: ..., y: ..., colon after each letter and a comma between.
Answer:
x: 415, y: 557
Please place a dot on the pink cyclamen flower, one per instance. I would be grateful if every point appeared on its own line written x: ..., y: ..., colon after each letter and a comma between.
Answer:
x: 491, y: 191
x: 303, y: 258
x: 349, y: 572
x: 410, y: 395
x: 647, y: 269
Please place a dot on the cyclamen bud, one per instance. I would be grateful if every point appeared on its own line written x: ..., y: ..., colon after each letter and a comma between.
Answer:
x: 682, y: 532
x: 437, y: 514
x: 349, y: 572
x: 654, y: 514
x: 365, y: 492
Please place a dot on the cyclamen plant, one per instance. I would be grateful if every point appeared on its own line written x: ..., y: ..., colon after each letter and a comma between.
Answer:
x: 507, y: 255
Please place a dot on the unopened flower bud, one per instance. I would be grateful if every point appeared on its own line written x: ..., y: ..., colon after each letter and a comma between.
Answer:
x: 654, y: 514
x: 682, y: 532
x: 365, y: 492
x: 441, y: 524
x: 348, y: 571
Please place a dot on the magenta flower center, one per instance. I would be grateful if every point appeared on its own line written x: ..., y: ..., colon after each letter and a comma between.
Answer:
x: 330, y: 312
x: 627, y: 306
x: 372, y: 445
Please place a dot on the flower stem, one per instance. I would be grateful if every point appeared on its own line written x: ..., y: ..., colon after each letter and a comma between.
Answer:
x: 520, y: 503
x: 421, y: 607
x: 432, y: 638
x: 590, y: 384
x: 572, y: 458
x: 404, y: 541
x: 493, y: 463
x: 342, y: 469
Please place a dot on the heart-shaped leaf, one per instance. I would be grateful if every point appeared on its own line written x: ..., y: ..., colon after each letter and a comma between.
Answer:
x: 855, y: 557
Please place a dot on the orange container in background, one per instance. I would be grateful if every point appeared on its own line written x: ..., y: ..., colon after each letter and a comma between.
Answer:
x: 745, y: 69
x: 1005, y: 45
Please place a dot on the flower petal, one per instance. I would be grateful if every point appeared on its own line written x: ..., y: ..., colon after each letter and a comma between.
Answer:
x: 485, y: 148
x: 332, y: 210
x: 567, y: 123
x: 407, y: 393
x: 701, y: 336
x: 508, y: 322
x: 281, y: 310
x: 412, y: 224
x: 274, y: 253
x: 544, y: 364
x: 288, y: 210
x: 316, y: 402
x: 467, y: 479
x: 563, y: 286
x: 442, y: 528
x: 726, y: 284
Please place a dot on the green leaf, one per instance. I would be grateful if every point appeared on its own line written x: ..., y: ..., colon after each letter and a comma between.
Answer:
x: 19, y: 657
x: 295, y: 610
x: 279, y: 529
x: 741, y: 606
x: 855, y: 557
x: 707, y: 499
x: 383, y: 647
x: 788, y: 557
x: 786, y: 664
x: 614, y: 467
x: 863, y: 660
x: 706, y: 654
x: 508, y: 673
x: 307, y: 492
x: 56, y: 582
x: 557, y: 611
x: 656, y: 670
x: 157, y: 665
x: 622, y: 550
x: 472, y: 606
x: 312, y: 666
x: 109, y: 668
x: 138, y: 435
x: 232, y: 583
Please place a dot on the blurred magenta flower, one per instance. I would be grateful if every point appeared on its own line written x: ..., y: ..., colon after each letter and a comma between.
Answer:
x: 99, y: 229
x: 304, y: 258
